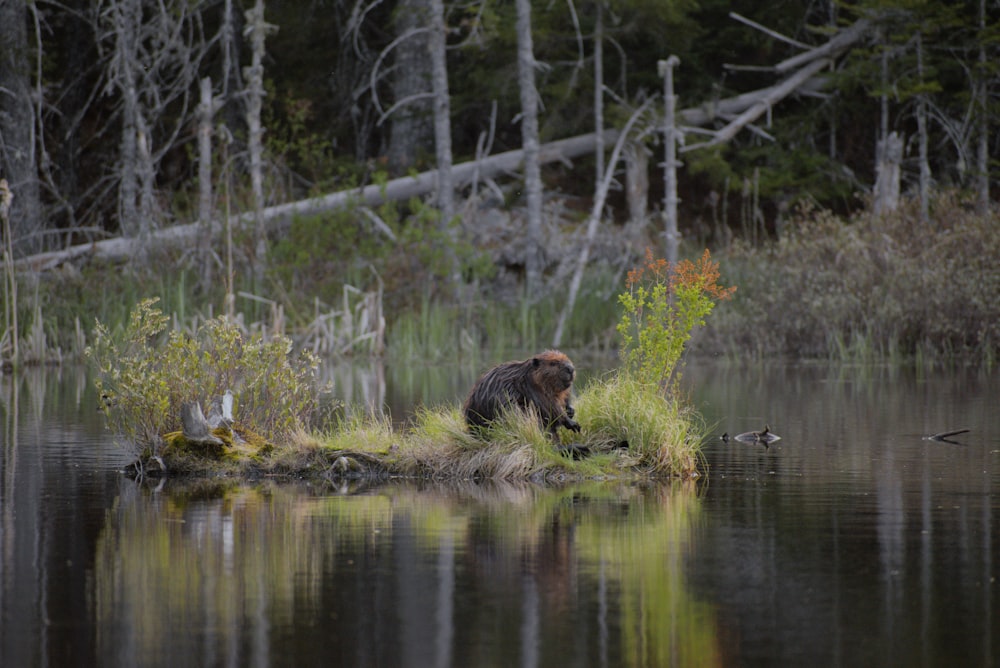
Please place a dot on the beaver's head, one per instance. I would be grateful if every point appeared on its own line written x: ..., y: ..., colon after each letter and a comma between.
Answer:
x: 554, y: 369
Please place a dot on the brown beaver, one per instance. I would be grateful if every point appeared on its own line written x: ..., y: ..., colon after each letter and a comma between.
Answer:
x: 542, y: 382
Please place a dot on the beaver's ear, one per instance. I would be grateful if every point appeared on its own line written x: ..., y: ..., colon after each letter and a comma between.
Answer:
x: 535, y: 362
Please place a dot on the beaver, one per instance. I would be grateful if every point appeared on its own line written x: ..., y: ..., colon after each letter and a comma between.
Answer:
x: 542, y: 382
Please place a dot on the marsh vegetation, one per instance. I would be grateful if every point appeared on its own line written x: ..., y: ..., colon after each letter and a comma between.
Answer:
x: 632, y: 422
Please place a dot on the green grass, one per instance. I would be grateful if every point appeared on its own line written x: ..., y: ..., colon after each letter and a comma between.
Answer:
x: 628, y: 429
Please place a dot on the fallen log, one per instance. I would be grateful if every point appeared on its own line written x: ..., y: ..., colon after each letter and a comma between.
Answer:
x: 404, y: 188
x: 745, y: 107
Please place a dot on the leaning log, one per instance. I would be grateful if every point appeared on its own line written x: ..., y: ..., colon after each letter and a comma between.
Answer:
x: 745, y: 107
x: 121, y: 248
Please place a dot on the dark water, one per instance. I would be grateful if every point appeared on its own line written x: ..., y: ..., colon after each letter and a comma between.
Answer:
x: 853, y: 541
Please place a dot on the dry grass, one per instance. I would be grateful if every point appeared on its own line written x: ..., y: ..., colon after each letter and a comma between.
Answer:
x: 628, y: 429
x: 870, y: 288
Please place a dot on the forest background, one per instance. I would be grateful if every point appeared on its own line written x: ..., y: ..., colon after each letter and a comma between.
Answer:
x: 854, y: 212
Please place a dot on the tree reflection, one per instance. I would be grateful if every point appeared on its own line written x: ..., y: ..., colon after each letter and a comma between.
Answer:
x: 402, y: 575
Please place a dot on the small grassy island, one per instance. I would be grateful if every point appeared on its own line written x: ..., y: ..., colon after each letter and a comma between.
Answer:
x: 266, y: 415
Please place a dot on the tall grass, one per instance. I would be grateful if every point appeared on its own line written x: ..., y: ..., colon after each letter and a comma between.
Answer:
x: 628, y: 429
x: 435, y: 331
x: 651, y: 430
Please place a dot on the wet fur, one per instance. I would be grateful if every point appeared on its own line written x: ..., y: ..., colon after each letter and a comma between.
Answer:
x: 543, y: 382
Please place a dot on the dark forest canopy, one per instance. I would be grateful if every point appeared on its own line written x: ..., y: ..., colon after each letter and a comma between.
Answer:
x: 99, y: 99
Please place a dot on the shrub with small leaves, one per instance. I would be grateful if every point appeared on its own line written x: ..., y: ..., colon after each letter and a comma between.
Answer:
x: 662, y: 307
x: 144, y: 376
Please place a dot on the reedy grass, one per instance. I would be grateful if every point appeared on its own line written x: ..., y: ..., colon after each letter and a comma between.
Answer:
x: 628, y: 428
x: 652, y: 431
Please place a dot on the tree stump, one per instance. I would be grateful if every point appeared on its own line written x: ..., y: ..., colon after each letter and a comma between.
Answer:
x: 195, y: 427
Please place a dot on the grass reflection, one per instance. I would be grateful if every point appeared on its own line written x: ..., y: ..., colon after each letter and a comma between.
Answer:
x: 467, y: 574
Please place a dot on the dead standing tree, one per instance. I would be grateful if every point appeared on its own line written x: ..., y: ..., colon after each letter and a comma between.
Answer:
x: 18, y: 129
x: 425, y: 25
x: 739, y: 111
x: 153, y: 52
x: 810, y: 63
x: 529, y: 144
x: 257, y: 30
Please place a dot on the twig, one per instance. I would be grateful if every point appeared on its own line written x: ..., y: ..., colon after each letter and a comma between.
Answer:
x: 945, y: 434
x: 767, y: 31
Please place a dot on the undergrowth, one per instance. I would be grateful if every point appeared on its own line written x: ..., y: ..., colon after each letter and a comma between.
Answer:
x: 145, y: 374
x: 870, y: 288
x: 632, y: 422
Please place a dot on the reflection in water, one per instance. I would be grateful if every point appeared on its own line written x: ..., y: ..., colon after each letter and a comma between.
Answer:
x: 852, y: 541
x: 477, y: 575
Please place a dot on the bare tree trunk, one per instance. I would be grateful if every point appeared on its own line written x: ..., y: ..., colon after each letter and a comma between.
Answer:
x: 890, y: 152
x: 442, y: 112
x: 206, y: 109
x: 671, y: 237
x: 529, y: 139
x: 9, y: 289
x: 257, y: 29
x: 18, y: 163
x: 599, y: 92
x: 925, y: 165
x: 888, y: 148
x: 983, y: 148
x: 413, y: 125
x: 442, y: 131
x: 125, y: 19
x: 230, y: 77
x: 637, y: 181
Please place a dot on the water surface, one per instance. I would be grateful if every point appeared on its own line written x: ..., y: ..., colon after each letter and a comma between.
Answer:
x: 852, y: 541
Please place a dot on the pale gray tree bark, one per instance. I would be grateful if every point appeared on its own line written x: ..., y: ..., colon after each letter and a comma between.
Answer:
x: 206, y: 112
x: 670, y: 233
x: 442, y: 111
x: 18, y: 161
x: 529, y: 144
x: 125, y: 16
x: 598, y: 91
x: 925, y: 164
x: 637, y: 181
x: 414, y: 125
x: 442, y: 133
x: 983, y: 140
x: 257, y: 29
x: 887, y: 174
x: 155, y: 49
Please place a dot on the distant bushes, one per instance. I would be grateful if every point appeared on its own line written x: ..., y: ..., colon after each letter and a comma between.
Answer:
x: 887, y: 287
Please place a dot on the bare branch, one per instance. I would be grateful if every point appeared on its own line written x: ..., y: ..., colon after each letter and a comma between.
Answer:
x: 837, y: 44
x: 373, y: 79
x: 767, y: 31
x: 409, y: 99
x: 594, y: 220
x: 775, y: 95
